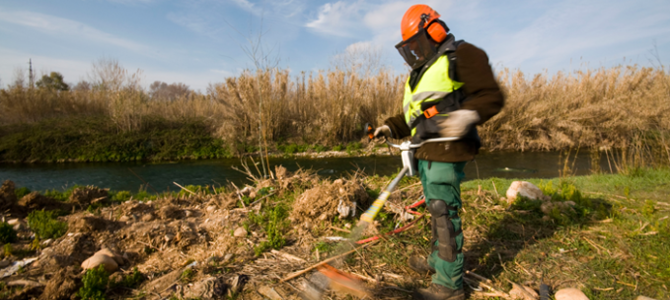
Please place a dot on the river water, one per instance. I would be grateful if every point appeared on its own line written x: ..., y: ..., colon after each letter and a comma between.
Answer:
x: 119, y: 176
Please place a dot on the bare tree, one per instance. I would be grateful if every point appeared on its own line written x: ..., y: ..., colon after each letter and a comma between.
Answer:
x: 168, y: 92
x: 109, y: 74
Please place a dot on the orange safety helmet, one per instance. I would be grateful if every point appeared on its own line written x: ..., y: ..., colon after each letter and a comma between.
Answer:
x: 409, y: 26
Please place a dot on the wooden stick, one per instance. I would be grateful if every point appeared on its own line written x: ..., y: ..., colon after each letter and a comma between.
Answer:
x: 183, y: 188
x: 288, y: 256
x: 495, y: 189
x: 298, y: 273
x: 485, y: 285
x: 480, y: 277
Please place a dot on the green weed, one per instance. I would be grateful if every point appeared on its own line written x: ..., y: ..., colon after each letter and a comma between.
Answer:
x: 94, y: 284
x: 45, y: 225
x: 7, y: 250
x: 22, y: 191
x: 273, y: 221
x: 7, y: 233
x: 187, y: 275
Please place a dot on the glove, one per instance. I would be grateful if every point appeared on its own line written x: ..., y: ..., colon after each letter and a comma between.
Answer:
x: 383, y: 130
x: 458, y: 123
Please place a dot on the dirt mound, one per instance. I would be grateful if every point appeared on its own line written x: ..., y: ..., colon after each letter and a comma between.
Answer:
x: 85, y: 196
x: 322, y: 202
x: 91, y: 224
x: 62, y: 285
x: 73, y: 249
x: 35, y: 201
x: 7, y: 195
x: 171, y: 212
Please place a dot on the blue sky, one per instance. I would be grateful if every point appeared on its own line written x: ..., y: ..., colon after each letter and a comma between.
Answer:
x: 201, y: 41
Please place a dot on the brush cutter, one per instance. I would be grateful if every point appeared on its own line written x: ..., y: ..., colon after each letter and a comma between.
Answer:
x: 328, y: 275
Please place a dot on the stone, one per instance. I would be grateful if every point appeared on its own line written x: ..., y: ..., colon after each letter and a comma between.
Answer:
x: 644, y: 298
x: 525, y: 189
x: 211, y: 208
x: 116, y: 257
x: 14, y: 221
x: 240, y: 232
x: 100, y: 259
x: 570, y: 294
x: 47, y: 243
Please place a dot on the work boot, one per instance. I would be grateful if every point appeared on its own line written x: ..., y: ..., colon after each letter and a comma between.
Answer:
x: 438, y: 292
x: 420, y: 265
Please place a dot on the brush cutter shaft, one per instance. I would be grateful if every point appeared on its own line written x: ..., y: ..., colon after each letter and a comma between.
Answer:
x: 373, y: 210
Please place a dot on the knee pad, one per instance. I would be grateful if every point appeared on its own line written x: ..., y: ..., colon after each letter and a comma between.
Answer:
x: 443, y: 228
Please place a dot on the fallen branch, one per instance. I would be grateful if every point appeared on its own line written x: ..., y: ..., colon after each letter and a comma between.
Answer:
x: 505, y: 295
x: 298, y: 273
x: 480, y: 277
x: 183, y: 188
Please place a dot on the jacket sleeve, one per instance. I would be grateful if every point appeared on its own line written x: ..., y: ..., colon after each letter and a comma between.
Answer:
x: 399, y: 128
x: 480, y: 87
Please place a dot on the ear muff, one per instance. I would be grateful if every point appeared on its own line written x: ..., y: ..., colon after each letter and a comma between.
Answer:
x: 438, y: 31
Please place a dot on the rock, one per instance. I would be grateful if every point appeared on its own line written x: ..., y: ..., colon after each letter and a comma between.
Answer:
x: 47, y: 243
x: 100, y: 259
x: 20, y: 226
x: 240, y: 232
x: 270, y: 293
x: 211, y: 208
x: 644, y: 298
x: 209, y: 288
x: 570, y: 294
x: 14, y: 221
x: 4, y: 264
x: 115, y: 256
x: 525, y: 189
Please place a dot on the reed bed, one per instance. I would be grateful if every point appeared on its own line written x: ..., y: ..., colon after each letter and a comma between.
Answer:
x: 608, y: 108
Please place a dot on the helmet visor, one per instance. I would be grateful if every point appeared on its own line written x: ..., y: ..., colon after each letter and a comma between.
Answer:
x: 417, y: 50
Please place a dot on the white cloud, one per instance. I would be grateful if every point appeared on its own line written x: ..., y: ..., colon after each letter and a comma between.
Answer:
x: 340, y: 19
x: 60, y: 27
x: 245, y: 4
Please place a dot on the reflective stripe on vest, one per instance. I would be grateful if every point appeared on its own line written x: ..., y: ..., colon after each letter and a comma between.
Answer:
x: 434, y: 85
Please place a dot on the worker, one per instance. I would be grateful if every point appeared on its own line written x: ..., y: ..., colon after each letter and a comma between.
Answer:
x: 450, y: 90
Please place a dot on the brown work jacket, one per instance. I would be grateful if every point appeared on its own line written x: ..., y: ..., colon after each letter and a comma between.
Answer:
x: 484, y: 97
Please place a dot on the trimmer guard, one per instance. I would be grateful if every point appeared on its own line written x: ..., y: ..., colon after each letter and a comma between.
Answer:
x: 407, y: 155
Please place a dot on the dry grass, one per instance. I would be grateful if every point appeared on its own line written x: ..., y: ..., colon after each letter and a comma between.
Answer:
x: 616, y: 108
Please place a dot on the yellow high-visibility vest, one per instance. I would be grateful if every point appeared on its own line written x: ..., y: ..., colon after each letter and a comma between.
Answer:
x: 433, y: 86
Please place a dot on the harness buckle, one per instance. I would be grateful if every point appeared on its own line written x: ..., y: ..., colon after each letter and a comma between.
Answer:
x: 430, y: 112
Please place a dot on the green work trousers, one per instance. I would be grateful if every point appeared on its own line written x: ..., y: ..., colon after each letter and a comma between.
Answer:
x: 442, y: 182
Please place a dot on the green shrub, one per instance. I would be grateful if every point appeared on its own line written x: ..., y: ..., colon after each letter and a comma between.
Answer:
x: 22, y: 191
x: 131, y: 281
x: 7, y: 233
x: 320, y: 148
x: 354, y: 146
x: 45, y: 225
x: 337, y: 148
x: 94, y: 284
x: 120, y: 196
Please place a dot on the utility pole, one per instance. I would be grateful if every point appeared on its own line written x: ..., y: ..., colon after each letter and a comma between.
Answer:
x: 31, y: 79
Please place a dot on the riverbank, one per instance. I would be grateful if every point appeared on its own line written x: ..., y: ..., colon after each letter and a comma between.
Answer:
x: 611, y: 242
x: 619, y: 108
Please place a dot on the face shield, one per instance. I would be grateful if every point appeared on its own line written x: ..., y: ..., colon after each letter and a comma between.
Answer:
x: 420, y: 48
